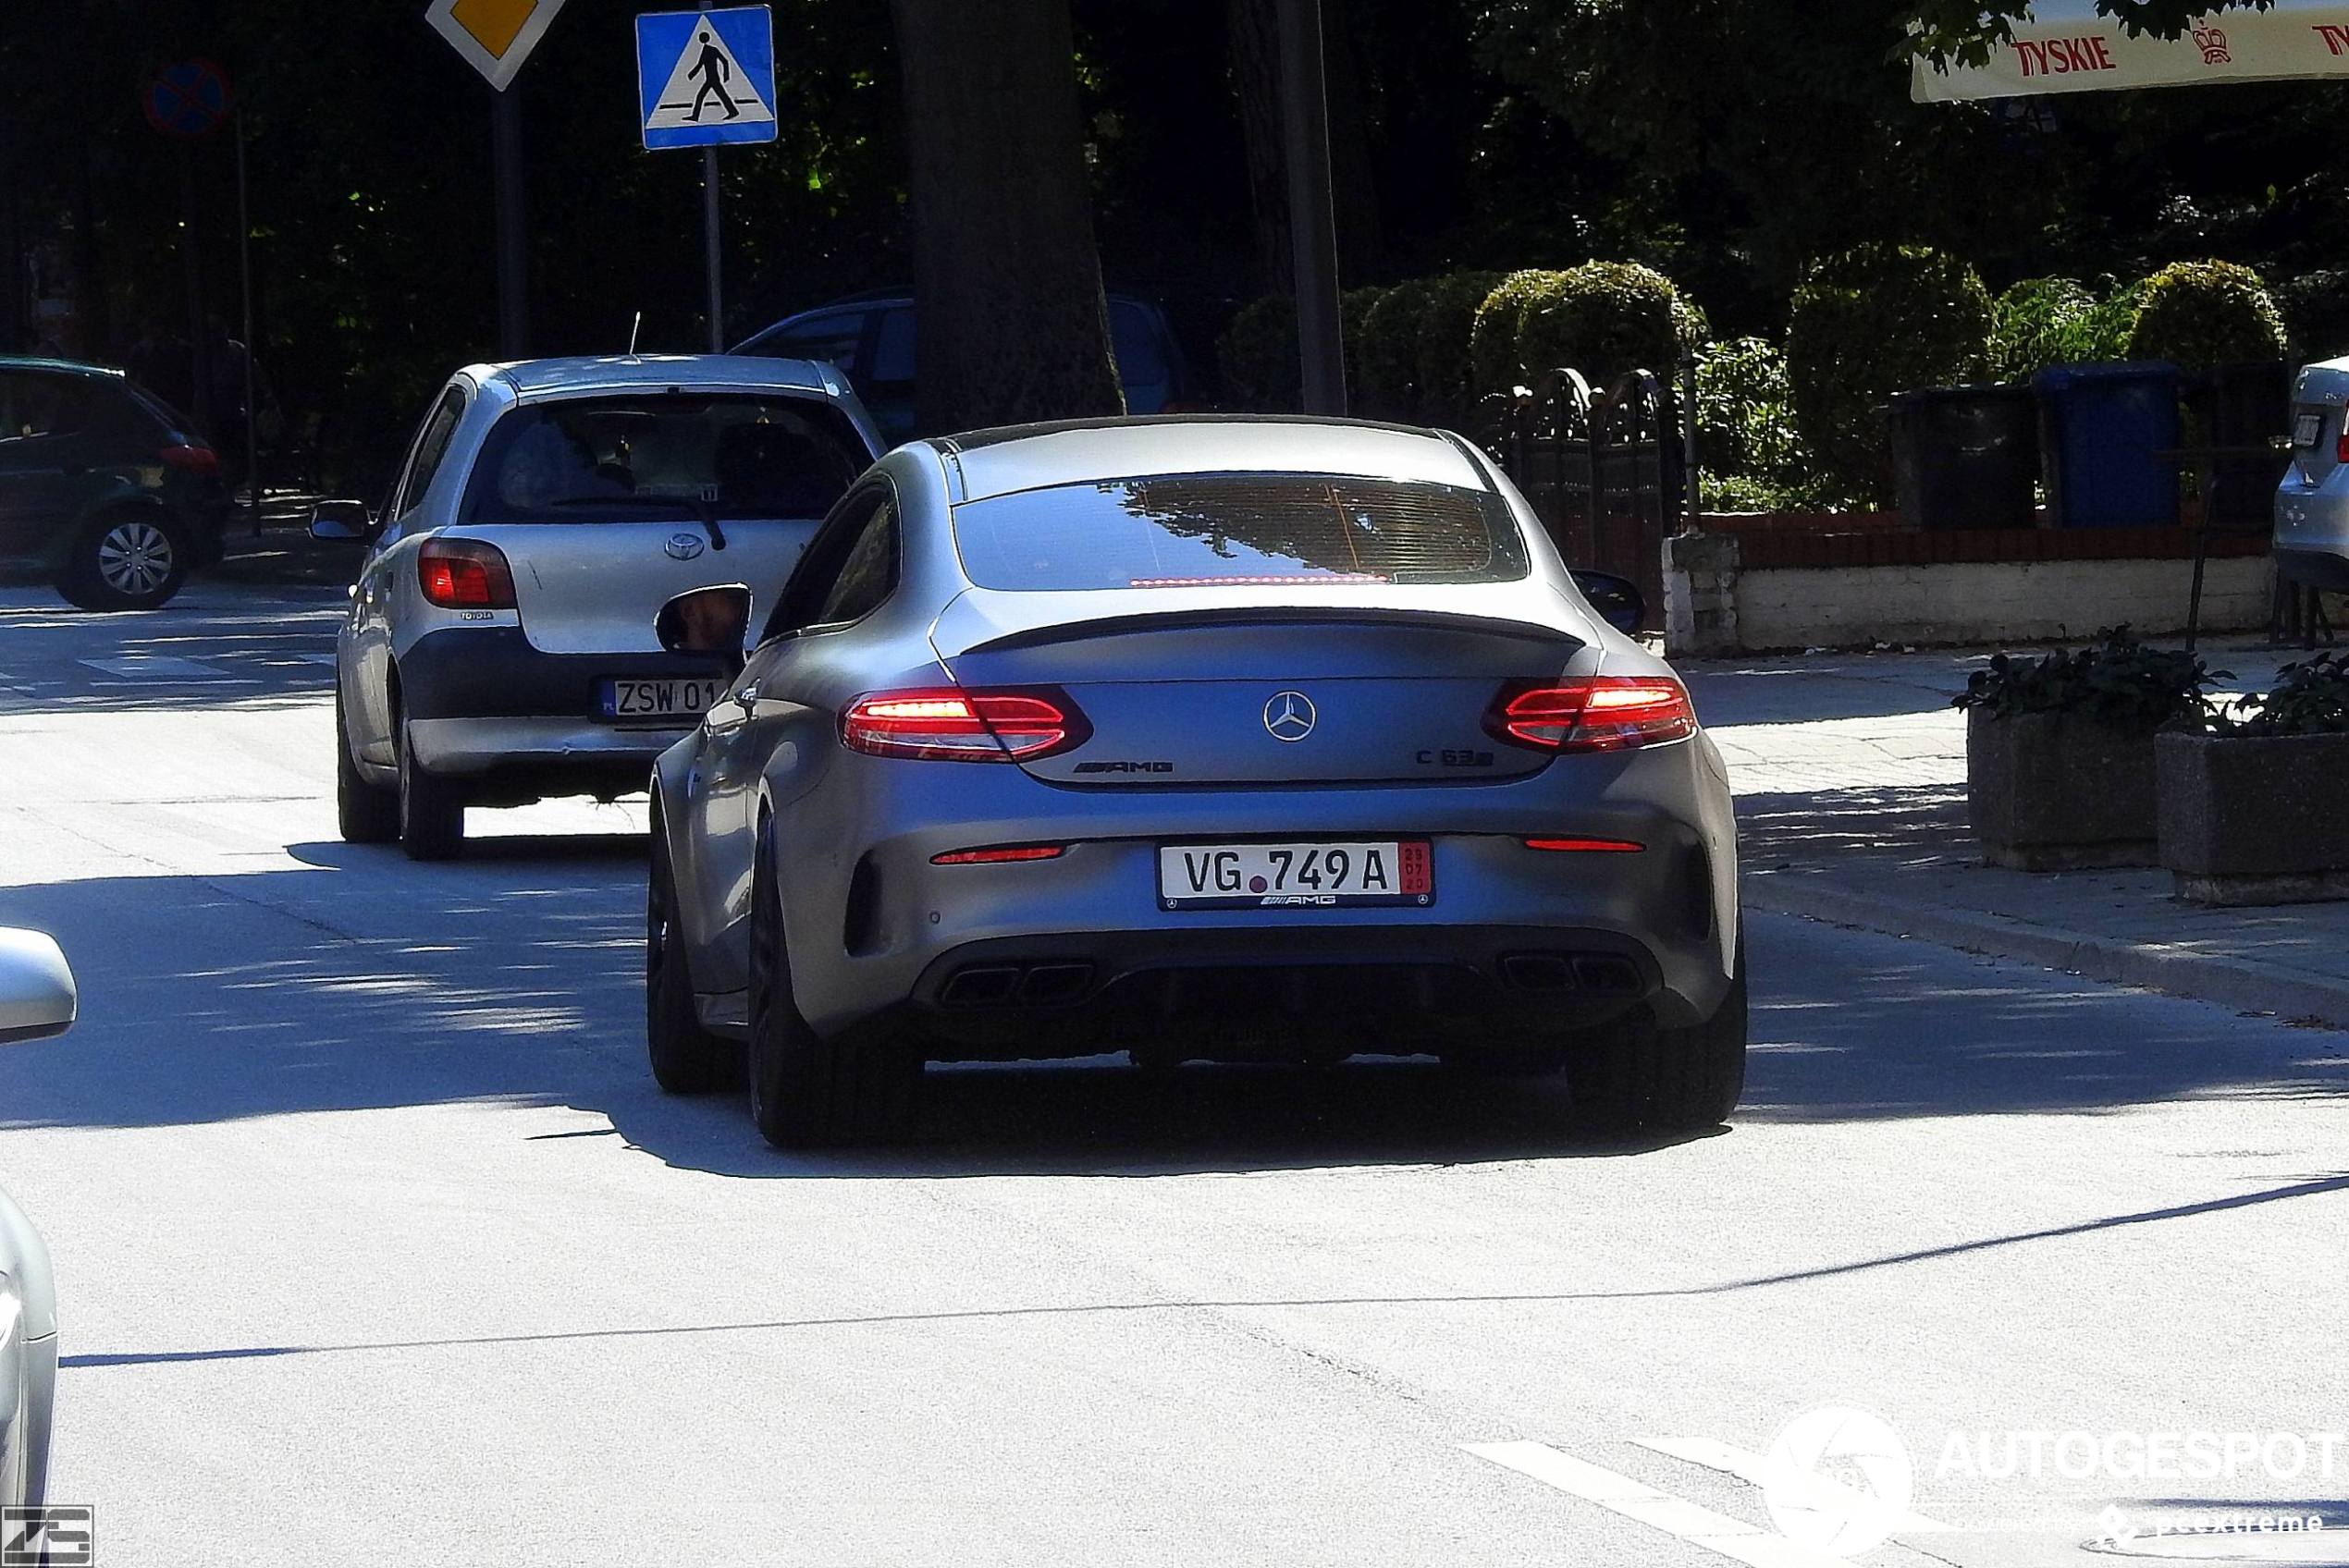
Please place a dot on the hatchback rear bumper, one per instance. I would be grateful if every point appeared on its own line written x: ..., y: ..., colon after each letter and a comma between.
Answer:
x: 469, y: 673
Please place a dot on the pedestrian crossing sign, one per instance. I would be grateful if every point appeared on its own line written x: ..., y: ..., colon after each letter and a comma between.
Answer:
x: 705, y: 78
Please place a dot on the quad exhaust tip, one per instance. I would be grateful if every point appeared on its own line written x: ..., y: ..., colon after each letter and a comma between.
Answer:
x: 1005, y: 984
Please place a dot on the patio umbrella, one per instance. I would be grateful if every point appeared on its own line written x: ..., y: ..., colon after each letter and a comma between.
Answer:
x: 2064, y: 46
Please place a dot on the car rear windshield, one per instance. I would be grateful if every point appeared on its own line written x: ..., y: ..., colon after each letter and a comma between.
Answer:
x: 1193, y: 530
x: 664, y: 456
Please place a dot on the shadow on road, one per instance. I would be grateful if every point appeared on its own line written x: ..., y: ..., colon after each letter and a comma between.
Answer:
x: 512, y: 975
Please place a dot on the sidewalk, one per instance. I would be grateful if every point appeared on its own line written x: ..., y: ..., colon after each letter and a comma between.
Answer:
x: 1850, y: 772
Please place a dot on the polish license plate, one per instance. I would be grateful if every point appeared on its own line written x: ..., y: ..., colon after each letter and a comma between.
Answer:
x: 2305, y: 429
x: 652, y: 702
x: 1350, y: 875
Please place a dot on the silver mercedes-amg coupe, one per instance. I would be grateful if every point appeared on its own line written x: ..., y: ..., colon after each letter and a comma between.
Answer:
x: 1196, y: 738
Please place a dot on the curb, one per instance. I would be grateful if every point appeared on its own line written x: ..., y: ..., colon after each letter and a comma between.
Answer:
x: 2247, y: 985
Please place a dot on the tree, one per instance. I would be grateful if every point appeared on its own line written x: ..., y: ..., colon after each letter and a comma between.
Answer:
x: 1013, y: 324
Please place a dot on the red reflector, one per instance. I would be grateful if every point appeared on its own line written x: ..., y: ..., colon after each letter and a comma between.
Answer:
x: 1603, y: 713
x: 955, y: 726
x: 195, y: 459
x: 1587, y: 846
x: 464, y: 574
x: 1000, y: 857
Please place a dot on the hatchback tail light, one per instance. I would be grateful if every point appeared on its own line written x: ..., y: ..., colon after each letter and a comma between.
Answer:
x: 195, y: 457
x: 2340, y: 444
x: 464, y: 574
x: 950, y: 725
x: 1603, y: 713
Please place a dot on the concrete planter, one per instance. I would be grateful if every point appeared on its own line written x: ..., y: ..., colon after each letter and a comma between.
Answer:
x: 2054, y: 791
x: 2254, y: 820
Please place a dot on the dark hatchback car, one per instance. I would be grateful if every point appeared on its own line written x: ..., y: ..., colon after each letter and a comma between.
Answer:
x: 105, y: 491
x: 870, y: 338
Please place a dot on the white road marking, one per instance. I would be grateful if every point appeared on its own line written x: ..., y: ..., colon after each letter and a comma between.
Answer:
x: 1754, y: 1471
x: 1716, y: 1533
x: 156, y: 666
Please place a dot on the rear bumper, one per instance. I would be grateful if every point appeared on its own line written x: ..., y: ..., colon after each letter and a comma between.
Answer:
x: 525, y: 758
x: 469, y: 673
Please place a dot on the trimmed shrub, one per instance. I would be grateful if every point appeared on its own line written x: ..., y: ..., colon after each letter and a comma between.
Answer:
x: 1750, y: 457
x: 1388, y: 357
x: 1354, y: 308
x: 1445, y: 329
x: 1606, y: 319
x: 2316, y: 313
x: 1257, y: 354
x: 1495, y: 363
x: 2200, y: 314
x: 2042, y: 322
x: 1867, y: 324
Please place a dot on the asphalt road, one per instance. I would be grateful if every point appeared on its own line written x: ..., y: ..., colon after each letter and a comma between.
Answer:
x: 378, y: 1245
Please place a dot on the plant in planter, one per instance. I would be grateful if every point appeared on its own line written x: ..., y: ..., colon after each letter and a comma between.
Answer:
x: 2060, y: 751
x: 2250, y: 808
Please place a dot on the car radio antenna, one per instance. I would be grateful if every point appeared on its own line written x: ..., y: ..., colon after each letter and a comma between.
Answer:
x: 632, y: 331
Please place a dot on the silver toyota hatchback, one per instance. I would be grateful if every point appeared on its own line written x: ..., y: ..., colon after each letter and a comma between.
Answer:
x: 1234, y: 739
x: 501, y: 645
x: 2312, y: 502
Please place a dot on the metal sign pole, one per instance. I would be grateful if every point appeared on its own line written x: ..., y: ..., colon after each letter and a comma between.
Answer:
x: 191, y: 251
x: 1313, y: 213
x: 514, y: 278
x: 244, y: 284
x: 709, y: 242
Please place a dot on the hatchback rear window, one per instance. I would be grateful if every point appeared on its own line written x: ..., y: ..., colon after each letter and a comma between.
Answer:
x: 1191, y: 531
x: 666, y: 456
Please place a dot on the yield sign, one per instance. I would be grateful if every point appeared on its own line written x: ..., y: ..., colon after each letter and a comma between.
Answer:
x: 495, y: 36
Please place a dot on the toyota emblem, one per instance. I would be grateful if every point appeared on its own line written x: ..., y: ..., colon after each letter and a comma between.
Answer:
x: 1289, y: 715
x: 684, y: 547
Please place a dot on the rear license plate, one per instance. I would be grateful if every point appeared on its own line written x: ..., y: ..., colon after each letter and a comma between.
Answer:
x: 2305, y: 429
x: 652, y: 702
x: 1308, y: 876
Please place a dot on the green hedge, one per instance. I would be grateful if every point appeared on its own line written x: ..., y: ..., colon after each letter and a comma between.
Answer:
x: 2200, y: 314
x: 1750, y: 457
x: 1258, y: 356
x: 1870, y: 323
x: 1606, y: 319
x: 1387, y: 385
x: 1495, y: 363
x: 1446, y: 328
x: 2043, y: 322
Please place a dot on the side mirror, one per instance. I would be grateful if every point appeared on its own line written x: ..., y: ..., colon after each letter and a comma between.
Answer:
x: 1618, y: 599
x: 37, y: 998
x: 707, y: 622
x: 342, y: 522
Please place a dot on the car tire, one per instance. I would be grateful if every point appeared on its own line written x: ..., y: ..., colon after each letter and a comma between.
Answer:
x: 1635, y: 1077
x: 432, y: 812
x: 807, y: 1092
x: 127, y: 561
x: 367, y: 813
x: 686, y: 1058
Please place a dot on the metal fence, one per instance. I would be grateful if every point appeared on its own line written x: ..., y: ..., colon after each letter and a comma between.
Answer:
x: 1602, y: 469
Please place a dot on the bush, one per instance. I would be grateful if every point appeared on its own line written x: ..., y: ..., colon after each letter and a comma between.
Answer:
x: 1749, y: 456
x: 2121, y: 685
x: 1389, y: 353
x: 1445, y: 328
x: 2316, y: 313
x: 2043, y: 322
x: 1495, y: 363
x: 1606, y: 319
x: 1870, y: 323
x: 2200, y: 314
x: 1257, y: 354
x: 1354, y: 308
x: 2309, y: 698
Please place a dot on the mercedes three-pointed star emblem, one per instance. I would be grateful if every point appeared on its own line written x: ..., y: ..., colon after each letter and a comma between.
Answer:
x: 1289, y: 715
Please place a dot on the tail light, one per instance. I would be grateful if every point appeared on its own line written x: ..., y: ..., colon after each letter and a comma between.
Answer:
x: 194, y: 456
x: 950, y: 725
x: 464, y: 574
x: 2340, y: 443
x: 1603, y: 713
x: 1008, y: 854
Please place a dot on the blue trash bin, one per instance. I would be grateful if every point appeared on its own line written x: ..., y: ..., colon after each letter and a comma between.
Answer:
x: 2101, y: 427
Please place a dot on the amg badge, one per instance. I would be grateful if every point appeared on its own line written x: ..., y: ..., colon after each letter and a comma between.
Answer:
x: 1125, y: 768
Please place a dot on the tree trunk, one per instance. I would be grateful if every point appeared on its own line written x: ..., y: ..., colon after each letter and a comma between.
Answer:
x: 1254, y: 30
x: 1012, y: 325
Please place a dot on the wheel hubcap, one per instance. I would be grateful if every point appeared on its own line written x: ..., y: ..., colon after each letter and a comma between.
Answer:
x: 135, y: 558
